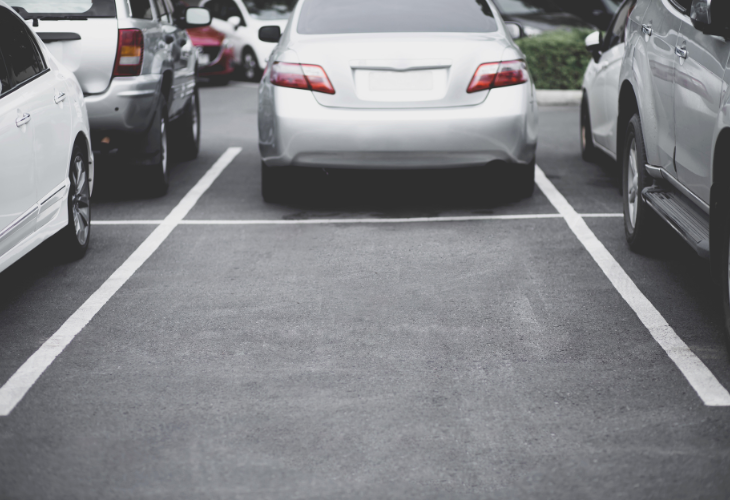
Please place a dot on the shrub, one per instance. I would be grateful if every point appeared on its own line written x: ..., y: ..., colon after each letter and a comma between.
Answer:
x: 557, y: 59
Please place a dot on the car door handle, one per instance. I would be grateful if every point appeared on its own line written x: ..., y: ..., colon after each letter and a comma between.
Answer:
x: 646, y: 28
x: 59, y: 97
x: 681, y: 52
x: 22, y: 119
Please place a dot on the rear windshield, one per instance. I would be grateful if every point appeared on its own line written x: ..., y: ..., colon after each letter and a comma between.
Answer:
x: 267, y: 10
x: 60, y: 8
x: 329, y: 17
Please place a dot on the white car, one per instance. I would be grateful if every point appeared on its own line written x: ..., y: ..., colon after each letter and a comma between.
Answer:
x: 599, y: 109
x: 46, y: 164
x: 240, y: 22
x: 412, y: 84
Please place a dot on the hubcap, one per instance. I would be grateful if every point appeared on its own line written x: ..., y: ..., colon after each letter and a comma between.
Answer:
x: 249, y: 65
x: 632, y: 181
x: 80, y: 200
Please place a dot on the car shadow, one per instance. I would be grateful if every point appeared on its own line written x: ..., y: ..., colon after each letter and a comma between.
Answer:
x: 388, y: 193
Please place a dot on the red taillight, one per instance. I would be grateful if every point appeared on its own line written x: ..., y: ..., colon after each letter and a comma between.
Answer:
x: 301, y: 76
x: 502, y: 74
x: 130, y: 50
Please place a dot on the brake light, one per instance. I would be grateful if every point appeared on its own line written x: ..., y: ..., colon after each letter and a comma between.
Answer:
x: 130, y: 50
x: 501, y: 74
x: 301, y: 76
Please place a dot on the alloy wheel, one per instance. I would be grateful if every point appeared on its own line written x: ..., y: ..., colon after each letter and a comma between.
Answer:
x: 194, y: 117
x: 80, y: 207
x: 249, y: 66
x: 163, y: 146
x: 632, y: 181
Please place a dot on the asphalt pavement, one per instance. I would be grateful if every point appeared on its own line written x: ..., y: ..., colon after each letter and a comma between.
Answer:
x: 381, y: 335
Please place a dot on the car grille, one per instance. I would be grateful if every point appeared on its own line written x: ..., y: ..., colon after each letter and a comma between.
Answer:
x: 211, y: 51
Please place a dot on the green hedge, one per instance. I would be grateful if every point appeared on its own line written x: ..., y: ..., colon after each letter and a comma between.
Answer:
x: 557, y: 59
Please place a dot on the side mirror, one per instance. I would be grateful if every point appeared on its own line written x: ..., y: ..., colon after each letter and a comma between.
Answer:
x: 594, y: 42
x: 515, y: 30
x: 270, y: 34
x: 234, y: 21
x: 194, y: 17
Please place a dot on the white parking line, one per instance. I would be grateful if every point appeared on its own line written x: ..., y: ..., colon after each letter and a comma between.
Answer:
x: 23, y: 379
x: 698, y: 375
x: 279, y: 222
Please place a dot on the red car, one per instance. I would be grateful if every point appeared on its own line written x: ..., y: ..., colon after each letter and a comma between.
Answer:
x: 215, y: 54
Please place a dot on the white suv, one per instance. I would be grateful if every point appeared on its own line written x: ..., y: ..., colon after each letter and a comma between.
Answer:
x: 674, y: 127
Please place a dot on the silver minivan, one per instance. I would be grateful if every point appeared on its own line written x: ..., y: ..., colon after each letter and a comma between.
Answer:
x: 136, y: 66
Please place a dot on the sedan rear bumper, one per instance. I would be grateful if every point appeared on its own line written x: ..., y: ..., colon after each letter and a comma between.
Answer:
x: 295, y: 130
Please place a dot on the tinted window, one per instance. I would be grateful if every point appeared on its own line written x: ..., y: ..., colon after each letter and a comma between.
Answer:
x: 617, y: 31
x: 85, y: 8
x: 4, y: 76
x: 141, y: 9
x: 525, y: 7
x: 22, y: 58
x: 161, y: 10
x: 324, y: 17
x: 267, y: 10
x: 223, y: 9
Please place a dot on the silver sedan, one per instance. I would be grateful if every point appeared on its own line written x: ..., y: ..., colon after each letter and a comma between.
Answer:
x: 395, y: 84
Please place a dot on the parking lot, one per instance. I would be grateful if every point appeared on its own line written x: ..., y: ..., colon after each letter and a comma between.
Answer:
x: 381, y: 335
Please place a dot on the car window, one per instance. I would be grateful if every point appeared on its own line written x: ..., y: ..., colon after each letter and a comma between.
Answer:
x: 223, y: 9
x: 85, y: 8
x: 617, y: 30
x: 4, y: 76
x: 526, y: 7
x: 327, y: 17
x: 141, y: 9
x: 683, y: 5
x: 162, y: 10
x: 22, y: 56
x: 266, y: 10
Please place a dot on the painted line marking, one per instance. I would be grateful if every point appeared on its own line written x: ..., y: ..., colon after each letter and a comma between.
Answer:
x: 278, y: 222
x: 23, y: 379
x: 698, y: 375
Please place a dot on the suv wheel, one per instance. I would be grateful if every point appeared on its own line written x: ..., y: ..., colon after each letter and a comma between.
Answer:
x: 640, y: 222
x: 725, y: 277
x: 74, y: 238
x: 158, y: 171
x: 588, y: 149
x: 188, y: 129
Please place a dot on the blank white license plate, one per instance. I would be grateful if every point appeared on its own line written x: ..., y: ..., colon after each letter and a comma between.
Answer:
x: 383, y: 81
x: 203, y: 59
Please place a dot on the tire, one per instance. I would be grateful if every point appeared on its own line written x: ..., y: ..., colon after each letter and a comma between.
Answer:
x: 525, y: 180
x: 273, y: 184
x: 157, y: 172
x: 724, y: 276
x: 640, y: 221
x: 250, y: 69
x: 588, y: 149
x: 188, y: 129
x: 73, y: 239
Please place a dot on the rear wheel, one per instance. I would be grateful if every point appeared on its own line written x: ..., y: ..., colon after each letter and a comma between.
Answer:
x: 724, y: 269
x: 74, y: 238
x: 640, y: 221
x: 188, y: 127
x: 525, y: 180
x: 588, y: 149
x: 158, y: 170
x: 273, y: 183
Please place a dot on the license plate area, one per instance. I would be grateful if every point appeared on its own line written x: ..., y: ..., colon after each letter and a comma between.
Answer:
x: 401, y: 86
